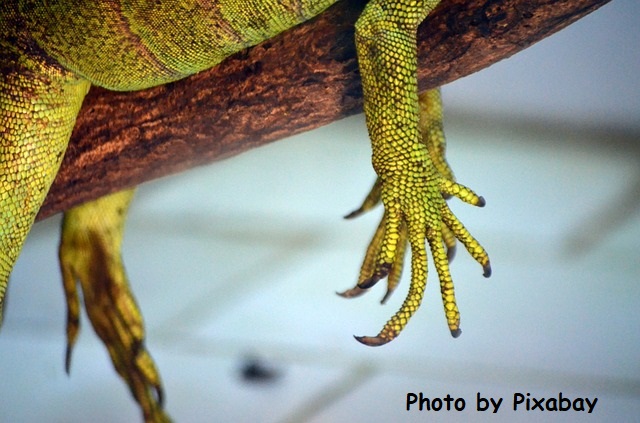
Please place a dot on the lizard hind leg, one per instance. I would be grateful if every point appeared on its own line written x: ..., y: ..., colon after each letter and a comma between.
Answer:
x: 442, y: 231
x: 412, y: 171
x: 90, y: 255
x: 414, y: 181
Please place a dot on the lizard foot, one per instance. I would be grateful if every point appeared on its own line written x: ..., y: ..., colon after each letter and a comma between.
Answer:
x: 415, y: 209
x: 90, y: 255
x: 427, y: 216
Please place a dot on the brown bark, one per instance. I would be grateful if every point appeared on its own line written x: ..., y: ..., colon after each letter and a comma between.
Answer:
x: 301, y: 80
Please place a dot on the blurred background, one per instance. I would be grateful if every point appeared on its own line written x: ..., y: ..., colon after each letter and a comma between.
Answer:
x: 235, y: 266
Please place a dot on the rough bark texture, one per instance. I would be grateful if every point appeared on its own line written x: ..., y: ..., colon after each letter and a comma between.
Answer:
x: 301, y: 80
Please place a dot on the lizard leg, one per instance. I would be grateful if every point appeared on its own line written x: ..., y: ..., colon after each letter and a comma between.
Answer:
x: 413, y: 176
x: 90, y: 254
x: 39, y: 102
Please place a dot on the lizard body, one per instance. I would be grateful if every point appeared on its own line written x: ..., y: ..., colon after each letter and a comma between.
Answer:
x: 52, y: 51
x: 142, y: 44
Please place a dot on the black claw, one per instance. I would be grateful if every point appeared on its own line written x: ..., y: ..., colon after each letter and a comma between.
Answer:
x: 352, y: 293
x: 67, y: 359
x: 486, y: 270
x: 451, y: 253
x: 354, y: 213
x: 456, y: 332
x: 481, y: 202
x: 387, y: 295
x: 371, y: 341
x: 159, y: 393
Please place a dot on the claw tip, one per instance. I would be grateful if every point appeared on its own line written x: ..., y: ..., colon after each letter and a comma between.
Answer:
x: 481, y: 201
x: 486, y: 270
x: 451, y: 253
x: 353, y: 214
x: 67, y: 360
x: 456, y: 332
x: 371, y: 341
x: 159, y: 395
x: 351, y: 293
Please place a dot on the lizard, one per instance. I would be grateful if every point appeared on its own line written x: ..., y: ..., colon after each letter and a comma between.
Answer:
x: 51, y: 52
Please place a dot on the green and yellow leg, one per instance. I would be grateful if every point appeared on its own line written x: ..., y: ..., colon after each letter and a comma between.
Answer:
x: 39, y: 101
x: 90, y: 254
x: 414, y: 178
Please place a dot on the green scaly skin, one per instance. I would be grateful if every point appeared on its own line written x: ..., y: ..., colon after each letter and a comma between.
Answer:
x: 39, y: 102
x: 50, y: 53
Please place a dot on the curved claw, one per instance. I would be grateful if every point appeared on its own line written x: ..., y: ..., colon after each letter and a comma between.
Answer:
x: 451, y: 253
x: 371, y: 341
x: 486, y: 270
x: 353, y: 214
x: 354, y: 292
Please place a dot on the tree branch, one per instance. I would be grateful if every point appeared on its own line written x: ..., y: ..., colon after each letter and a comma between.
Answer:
x: 303, y: 79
